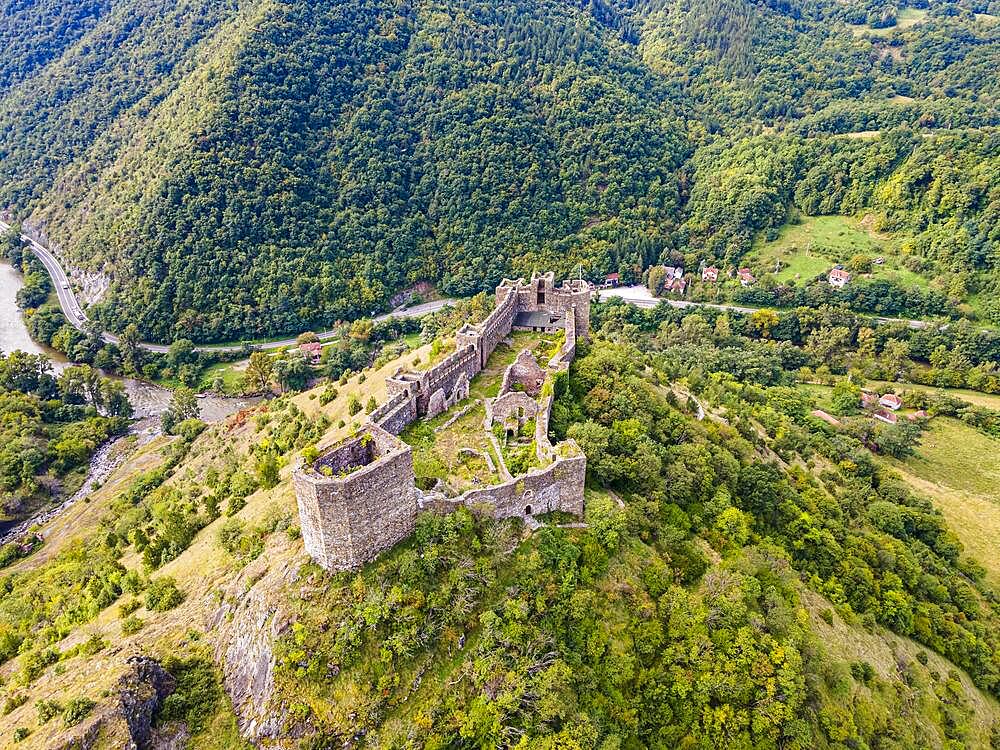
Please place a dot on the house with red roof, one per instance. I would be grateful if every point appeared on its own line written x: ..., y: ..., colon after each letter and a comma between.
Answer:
x: 313, y: 352
x: 838, y: 278
x: 710, y: 274
x: 891, y: 401
x: 885, y: 416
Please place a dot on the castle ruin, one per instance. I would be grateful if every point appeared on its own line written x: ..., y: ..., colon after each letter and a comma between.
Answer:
x: 360, y: 498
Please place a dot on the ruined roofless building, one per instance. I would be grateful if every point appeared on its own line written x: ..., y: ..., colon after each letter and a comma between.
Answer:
x: 357, y: 499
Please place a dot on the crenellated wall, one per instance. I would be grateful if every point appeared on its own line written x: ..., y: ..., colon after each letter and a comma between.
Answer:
x: 395, y: 414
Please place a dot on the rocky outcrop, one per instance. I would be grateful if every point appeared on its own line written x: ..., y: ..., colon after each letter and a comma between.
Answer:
x: 141, y: 692
x: 248, y: 622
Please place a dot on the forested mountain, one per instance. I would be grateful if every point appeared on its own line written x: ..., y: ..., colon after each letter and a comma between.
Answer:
x: 249, y: 168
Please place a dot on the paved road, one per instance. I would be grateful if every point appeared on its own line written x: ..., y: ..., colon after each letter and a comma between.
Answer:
x: 635, y: 295
x: 640, y: 297
x: 77, y: 318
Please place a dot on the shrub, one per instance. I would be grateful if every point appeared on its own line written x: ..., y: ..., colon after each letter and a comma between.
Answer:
x: 77, y: 710
x: 21, y: 733
x: 197, y: 695
x: 128, y: 607
x: 35, y: 662
x: 163, y: 594
x: 353, y: 405
x: 46, y: 710
x: 132, y: 625
x: 12, y: 701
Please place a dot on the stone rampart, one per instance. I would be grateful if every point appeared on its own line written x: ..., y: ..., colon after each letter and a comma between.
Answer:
x: 559, y: 486
x: 395, y: 414
x: 543, y: 448
x: 458, y: 367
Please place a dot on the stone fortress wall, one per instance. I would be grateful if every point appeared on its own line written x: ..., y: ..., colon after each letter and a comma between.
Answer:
x: 360, y: 498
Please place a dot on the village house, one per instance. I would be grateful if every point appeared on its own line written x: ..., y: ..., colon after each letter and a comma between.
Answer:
x: 919, y: 414
x: 885, y: 416
x: 838, y: 278
x: 611, y: 281
x: 675, y: 285
x: 312, y: 351
x: 891, y: 401
x: 673, y: 280
x: 869, y: 399
x: 711, y: 273
x: 746, y: 278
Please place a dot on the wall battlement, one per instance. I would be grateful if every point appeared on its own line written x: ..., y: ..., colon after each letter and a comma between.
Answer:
x: 360, y: 498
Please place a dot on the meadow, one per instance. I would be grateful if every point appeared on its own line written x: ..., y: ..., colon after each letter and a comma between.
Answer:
x: 813, y: 246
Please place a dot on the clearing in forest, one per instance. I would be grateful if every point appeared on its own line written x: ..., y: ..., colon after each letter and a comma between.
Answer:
x: 955, y: 465
x: 812, y: 247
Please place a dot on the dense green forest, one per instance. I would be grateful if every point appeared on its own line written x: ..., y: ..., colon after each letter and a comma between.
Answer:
x: 244, y: 169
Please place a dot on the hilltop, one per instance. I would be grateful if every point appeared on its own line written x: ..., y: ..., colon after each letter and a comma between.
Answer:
x: 745, y: 575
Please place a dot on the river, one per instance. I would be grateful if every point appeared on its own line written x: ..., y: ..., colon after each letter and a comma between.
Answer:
x: 147, y: 399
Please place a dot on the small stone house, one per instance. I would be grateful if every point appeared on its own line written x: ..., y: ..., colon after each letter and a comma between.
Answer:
x: 710, y: 274
x: 746, y: 277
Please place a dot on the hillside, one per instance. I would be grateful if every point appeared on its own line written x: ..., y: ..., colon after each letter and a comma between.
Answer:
x: 246, y: 169
x: 750, y: 579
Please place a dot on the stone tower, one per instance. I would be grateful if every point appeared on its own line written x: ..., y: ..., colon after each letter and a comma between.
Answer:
x: 357, y: 499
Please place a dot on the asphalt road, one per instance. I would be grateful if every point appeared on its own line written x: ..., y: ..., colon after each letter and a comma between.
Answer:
x: 77, y: 318
x: 635, y: 295
x: 640, y: 297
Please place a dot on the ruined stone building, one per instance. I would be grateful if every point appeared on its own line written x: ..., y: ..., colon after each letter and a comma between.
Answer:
x: 360, y: 498
x: 357, y: 499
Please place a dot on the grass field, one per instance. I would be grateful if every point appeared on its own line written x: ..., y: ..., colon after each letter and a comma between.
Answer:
x: 905, y: 19
x: 813, y: 246
x: 959, y: 469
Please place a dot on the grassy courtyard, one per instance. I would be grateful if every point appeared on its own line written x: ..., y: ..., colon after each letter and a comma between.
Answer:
x: 454, y: 453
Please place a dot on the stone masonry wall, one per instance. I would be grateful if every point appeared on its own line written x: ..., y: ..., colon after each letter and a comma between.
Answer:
x: 559, y: 486
x: 347, y: 521
x: 444, y: 375
x: 524, y: 372
x: 395, y: 414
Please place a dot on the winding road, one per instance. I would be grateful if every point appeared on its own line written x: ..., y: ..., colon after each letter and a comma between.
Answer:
x: 73, y: 312
x: 634, y: 295
x: 641, y: 297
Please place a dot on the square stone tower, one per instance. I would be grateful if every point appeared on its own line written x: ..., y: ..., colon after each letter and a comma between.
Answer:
x: 357, y: 499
